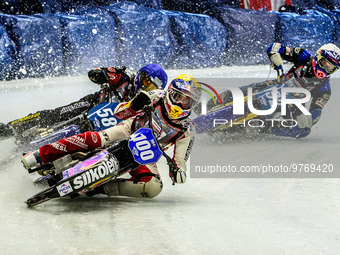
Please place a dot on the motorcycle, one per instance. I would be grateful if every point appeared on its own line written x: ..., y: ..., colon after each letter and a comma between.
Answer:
x: 98, y: 118
x: 79, y: 173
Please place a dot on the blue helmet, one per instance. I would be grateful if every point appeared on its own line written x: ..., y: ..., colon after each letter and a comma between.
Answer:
x: 151, y: 77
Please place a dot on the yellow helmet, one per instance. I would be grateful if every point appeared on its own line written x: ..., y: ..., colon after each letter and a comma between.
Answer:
x: 189, y: 78
x: 182, y: 96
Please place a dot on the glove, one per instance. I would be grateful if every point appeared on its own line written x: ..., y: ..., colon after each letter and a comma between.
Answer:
x: 178, y: 175
x: 304, y: 121
x: 142, y: 99
x: 120, y: 69
x: 274, y: 53
x: 276, y: 60
x: 98, y: 76
x: 126, y: 74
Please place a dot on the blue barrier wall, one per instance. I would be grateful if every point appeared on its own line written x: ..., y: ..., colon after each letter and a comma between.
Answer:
x: 38, y: 44
x: 7, y: 54
x: 197, y: 6
x: 156, y: 4
x: 16, y: 7
x: 54, y: 6
x: 143, y: 35
x: 310, y: 30
x: 309, y: 4
x: 329, y: 4
x: 249, y: 34
x: 305, y: 4
x: 200, y: 40
x: 88, y: 40
x: 126, y: 33
x: 336, y: 15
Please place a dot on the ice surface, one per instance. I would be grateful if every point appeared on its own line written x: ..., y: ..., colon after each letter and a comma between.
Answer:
x: 202, y: 216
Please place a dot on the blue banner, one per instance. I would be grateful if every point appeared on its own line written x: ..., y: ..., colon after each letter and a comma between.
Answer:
x: 89, y: 40
x: 200, y: 40
x: 249, y: 33
x: 7, y: 56
x: 309, y: 31
x: 143, y: 35
x: 38, y: 43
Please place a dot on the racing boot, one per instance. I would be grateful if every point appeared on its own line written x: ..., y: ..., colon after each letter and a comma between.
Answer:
x: 110, y: 189
x: 96, y: 191
x: 31, y: 160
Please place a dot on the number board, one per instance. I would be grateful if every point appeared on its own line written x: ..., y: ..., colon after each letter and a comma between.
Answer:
x: 102, y: 116
x: 144, y: 147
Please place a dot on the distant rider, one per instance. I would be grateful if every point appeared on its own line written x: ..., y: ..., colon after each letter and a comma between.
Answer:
x: 173, y: 108
x: 122, y: 85
x: 310, y: 72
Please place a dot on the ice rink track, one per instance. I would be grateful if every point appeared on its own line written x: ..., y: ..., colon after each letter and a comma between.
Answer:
x: 202, y: 216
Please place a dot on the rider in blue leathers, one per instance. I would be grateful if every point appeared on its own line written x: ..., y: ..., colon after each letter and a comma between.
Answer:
x: 310, y: 72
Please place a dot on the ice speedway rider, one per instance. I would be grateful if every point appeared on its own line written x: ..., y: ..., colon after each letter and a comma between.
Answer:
x: 310, y: 72
x: 119, y: 84
x: 172, y: 107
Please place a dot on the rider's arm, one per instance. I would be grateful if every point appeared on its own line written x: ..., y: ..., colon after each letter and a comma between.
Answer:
x: 181, y: 153
x: 277, y: 52
x: 129, y: 109
x: 319, y: 99
x: 182, y: 150
x: 119, y: 78
x: 112, y: 75
x: 317, y: 104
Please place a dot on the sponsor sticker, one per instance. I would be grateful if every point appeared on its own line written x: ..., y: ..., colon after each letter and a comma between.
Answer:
x: 98, y: 173
x: 64, y: 189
